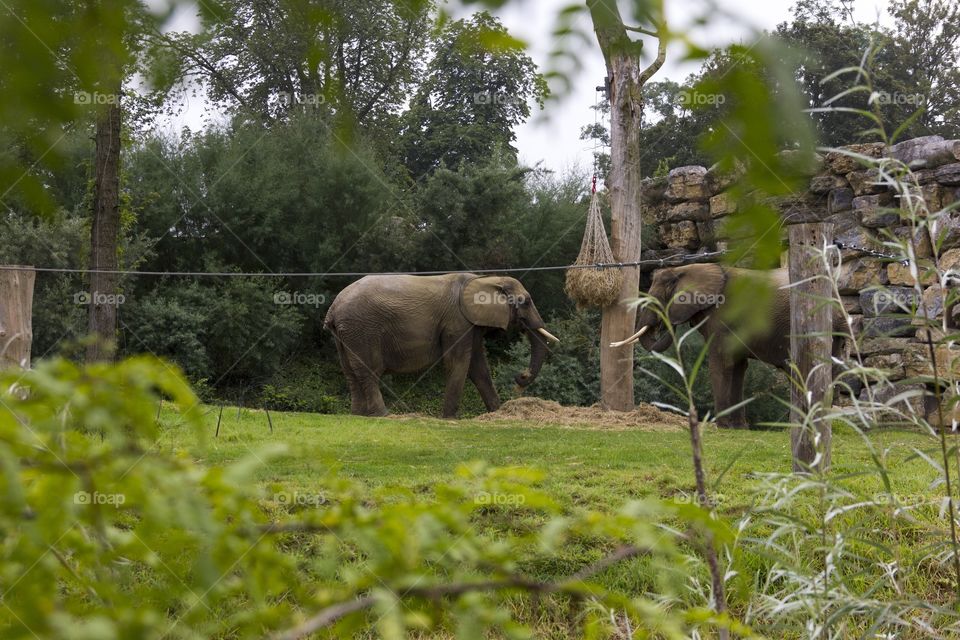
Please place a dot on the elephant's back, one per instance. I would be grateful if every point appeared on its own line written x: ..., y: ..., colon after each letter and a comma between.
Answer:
x: 389, y: 299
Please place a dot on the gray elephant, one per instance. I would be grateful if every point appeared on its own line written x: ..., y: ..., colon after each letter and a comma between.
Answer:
x: 697, y: 293
x: 406, y: 324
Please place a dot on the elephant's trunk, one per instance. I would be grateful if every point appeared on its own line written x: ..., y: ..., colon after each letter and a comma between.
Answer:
x: 538, y: 353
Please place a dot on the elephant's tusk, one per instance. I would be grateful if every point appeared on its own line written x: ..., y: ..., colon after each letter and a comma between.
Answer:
x: 631, y: 339
x: 548, y: 335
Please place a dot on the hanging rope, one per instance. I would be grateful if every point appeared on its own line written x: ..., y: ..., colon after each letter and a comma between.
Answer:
x: 594, y: 287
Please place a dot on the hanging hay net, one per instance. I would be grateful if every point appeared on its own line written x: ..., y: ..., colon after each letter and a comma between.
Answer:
x: 594, y: 287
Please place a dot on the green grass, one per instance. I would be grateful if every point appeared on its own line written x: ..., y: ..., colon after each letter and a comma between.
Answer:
x: 584, y: 468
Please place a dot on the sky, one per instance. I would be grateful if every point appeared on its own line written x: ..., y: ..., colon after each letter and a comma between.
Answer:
x: 552, y: 136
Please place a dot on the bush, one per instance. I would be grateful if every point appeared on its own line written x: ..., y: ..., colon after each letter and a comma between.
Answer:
x: 312, y: 383
x: 225, y: 331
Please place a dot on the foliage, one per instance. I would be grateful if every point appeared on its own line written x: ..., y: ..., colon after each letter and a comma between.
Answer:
x: 315, y: 385
x: 352, y: 60
x: 914, y: 67
x: 231, y: 329
x: 477, y: 88
x: 143, y: 542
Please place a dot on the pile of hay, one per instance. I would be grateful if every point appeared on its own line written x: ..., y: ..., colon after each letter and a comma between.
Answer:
x: 592, y: 287
x: 645, y: 417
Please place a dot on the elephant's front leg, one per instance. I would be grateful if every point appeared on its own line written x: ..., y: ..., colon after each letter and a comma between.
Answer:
x: 726, y: 379
x: 456, y: 363
x: 480, y: 374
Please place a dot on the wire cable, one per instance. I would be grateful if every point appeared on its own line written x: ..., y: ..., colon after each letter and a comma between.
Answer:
x: 356, y: 274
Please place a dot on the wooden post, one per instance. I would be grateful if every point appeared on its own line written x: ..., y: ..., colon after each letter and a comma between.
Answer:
x: 810, y: 344
x: 625, y: 80
x: 105, y: 233
x: 16, y: 316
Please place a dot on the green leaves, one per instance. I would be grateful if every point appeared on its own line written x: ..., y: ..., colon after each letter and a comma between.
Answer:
x: 142, y: 542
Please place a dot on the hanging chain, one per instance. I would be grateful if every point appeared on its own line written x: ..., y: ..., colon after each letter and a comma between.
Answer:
x: 876, y: 254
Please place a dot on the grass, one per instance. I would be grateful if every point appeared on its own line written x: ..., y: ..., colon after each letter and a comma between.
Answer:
x: 584, y: 468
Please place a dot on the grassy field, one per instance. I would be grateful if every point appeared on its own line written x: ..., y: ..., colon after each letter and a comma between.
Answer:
x: 584, y: 467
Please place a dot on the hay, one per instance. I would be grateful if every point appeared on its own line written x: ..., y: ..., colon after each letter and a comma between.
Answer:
x: 539, y: 412
x: 594, y: 287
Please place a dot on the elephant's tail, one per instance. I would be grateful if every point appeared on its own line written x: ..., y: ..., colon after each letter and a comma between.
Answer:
x: 329, y: 323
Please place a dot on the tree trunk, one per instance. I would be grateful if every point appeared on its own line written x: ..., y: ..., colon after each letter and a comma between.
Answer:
x: 810, y: 342
x: 105, y: 232
x: 16, y: 317
x: 616, y: 364
x: 625, y: 82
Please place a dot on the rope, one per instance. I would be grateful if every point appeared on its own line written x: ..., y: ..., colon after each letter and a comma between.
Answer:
x: 594, y: 287
x: 357, y: 274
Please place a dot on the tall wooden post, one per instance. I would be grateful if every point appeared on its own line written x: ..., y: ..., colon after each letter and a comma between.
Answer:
x: 625, y: 80
x: 810, y: 345
x: 617, y: 320
x: 105, y: 232
x: 16, y: 316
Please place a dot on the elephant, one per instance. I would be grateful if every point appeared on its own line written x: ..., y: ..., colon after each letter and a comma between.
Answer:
x: 406, y: 324
x: 697, y: 293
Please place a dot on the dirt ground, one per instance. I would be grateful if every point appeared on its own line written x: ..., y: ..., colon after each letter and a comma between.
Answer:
x: 644, y: 417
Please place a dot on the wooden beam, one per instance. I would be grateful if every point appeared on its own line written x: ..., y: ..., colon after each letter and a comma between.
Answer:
x: 810, y: 345
x: 16, y: 316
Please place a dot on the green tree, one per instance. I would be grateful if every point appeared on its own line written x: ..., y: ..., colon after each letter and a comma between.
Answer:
x: 927, y: 34
x: 478, y: 87
x: 350, y: 58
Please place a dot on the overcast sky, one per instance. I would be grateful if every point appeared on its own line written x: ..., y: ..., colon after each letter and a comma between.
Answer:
x: 552, y: 135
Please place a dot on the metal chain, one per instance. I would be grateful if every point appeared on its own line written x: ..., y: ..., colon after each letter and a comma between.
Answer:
x: 871, y: 252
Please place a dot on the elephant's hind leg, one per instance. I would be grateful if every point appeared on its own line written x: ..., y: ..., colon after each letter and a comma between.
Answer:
x: 356, y: 400
x: 480, y: 375
x: 726, y: 377
x: 363, y: 377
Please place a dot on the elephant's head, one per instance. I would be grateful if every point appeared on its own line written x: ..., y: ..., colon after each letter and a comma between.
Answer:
x: 684, y: 292
x: 494, y: 301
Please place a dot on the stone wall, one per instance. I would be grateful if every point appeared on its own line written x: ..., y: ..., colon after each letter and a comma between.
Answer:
x: 685, y: 211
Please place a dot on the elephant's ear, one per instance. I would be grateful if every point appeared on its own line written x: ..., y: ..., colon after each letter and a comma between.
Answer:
x: 484, y: 303
x: 698, y: 287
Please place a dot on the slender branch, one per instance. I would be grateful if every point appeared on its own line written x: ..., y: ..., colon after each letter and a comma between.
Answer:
x: 647, y: 73
x: 645, y: 32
